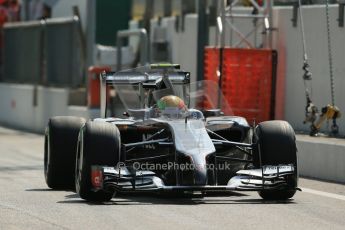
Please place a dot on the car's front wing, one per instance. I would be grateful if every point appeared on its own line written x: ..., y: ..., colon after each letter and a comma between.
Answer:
x: 124, y: 179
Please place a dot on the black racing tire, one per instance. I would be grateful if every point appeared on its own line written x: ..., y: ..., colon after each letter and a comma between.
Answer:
x: 99, y: 144
x: 277, y: 145
x: 60, y: 147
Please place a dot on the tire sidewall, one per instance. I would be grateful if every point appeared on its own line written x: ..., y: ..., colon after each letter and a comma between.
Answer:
x: 88, y: 147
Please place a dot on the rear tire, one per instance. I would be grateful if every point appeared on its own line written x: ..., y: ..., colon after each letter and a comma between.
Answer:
x: 99, y: 144
x: 277, y: 145
x: 60, y: 147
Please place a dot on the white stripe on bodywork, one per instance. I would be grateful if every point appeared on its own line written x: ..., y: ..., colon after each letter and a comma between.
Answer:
x: 191, y: 138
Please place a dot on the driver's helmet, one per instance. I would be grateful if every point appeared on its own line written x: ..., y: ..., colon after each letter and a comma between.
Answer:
x: 172, y: 106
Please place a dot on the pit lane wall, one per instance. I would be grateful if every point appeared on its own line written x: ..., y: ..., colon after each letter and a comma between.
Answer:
x: 18, y: 109
x: 321, y: 158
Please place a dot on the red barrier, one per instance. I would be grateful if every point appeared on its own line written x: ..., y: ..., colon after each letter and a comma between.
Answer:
x: 210, y: 71
x: 246, y: 82
x: 93, y: 96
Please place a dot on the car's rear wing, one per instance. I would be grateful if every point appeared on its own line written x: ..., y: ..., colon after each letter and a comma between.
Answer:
x: 176, y: 77
x: 148, y: 74
x: 154, y: 76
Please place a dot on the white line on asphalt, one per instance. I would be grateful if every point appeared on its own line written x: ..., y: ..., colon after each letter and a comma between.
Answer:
x: 325, y: 194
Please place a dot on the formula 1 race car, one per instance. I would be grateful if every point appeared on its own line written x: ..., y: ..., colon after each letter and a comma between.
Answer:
x: 174, y: 136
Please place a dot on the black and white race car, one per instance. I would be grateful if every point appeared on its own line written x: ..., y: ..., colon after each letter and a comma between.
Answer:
x: 173, y: 137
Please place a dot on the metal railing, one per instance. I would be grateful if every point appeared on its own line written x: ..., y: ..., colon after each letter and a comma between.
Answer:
x: 144, y: 45
x: 46, y: 52
x: 22, y: 52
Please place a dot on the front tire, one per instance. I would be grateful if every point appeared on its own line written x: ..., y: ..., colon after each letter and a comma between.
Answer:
x: 60, y: 147
x: 276, y: 145
x: 99, y: 144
